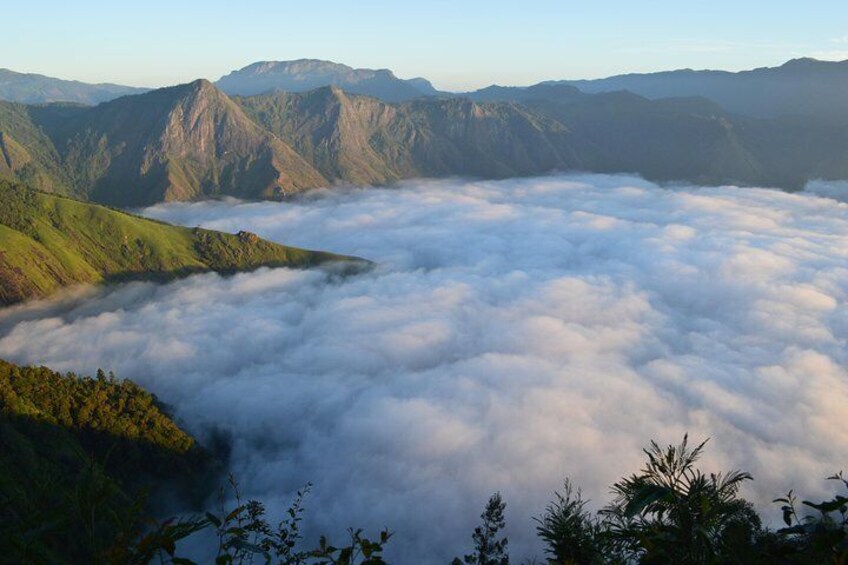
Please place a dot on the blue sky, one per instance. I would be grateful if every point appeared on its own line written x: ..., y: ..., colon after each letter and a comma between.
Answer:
x: 458, y: 45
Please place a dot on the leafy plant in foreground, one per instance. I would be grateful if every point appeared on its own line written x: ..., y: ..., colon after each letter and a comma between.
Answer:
x: 569, y: 532
x: 244, y: 536
x: 671, y: 512
x: 819, y: 537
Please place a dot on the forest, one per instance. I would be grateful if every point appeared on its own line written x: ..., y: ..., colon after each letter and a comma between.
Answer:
x: 85, y: 458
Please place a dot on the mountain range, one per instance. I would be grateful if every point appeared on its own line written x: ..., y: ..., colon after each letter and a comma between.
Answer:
x: 800, y: 87
x: 194, y: 141
x: 39, y: 89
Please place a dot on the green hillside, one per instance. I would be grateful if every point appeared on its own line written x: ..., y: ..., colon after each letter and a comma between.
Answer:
x: 78, y: 455
x: 49, y: 241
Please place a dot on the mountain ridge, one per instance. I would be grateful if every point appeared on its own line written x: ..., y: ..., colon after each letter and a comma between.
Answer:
x: 33, y: 88
x: 177, y: 143
x: 302, y: 75
x: 366, y: 141
x: 192, y: 141
x: 804, y: 87
x: 48, y: 242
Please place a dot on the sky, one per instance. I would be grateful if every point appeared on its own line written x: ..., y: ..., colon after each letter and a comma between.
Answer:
x: 511, y: 334
x: 458, y: 45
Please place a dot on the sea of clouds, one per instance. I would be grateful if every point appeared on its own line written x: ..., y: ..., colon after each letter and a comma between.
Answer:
x: 512, y: 333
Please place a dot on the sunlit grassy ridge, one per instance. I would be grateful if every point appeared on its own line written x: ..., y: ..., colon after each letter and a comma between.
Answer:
x: 78, y: 454
x: 49, y: 241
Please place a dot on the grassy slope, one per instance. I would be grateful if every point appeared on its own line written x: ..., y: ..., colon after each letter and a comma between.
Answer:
x: 48, y: 241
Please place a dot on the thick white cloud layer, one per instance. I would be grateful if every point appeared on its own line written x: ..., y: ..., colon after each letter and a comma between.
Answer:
x: 513, y: 333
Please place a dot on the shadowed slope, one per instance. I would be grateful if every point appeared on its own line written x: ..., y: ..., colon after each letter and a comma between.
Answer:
x: 362, y: 140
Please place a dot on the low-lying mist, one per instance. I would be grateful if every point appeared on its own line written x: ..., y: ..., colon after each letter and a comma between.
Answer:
x: 513, y: 333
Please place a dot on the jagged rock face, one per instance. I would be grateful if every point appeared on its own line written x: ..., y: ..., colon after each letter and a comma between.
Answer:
x: 362, y: 140
x: 192, y: 142
x: 13, y: 157
x: 179, y: 143
x: 27, y: 153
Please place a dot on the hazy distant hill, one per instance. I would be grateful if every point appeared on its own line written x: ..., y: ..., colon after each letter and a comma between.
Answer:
x: 553, y: 91
x: 307, y: 74
x: 37, y: 89
x: 47, y: 242
x: 804, y: 87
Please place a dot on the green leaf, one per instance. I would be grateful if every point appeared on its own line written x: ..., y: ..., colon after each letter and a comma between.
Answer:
x: 646, y: 496
x: 214, y: 519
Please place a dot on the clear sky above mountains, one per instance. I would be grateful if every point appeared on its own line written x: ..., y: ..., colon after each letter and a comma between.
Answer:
x: 457, y: 44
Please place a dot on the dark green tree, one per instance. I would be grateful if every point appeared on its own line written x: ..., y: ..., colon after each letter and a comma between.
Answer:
x: 245, y: 536
x: 570, y: 533
x: 489, y: 548
x: 672, y: 512
x: 820, y: 536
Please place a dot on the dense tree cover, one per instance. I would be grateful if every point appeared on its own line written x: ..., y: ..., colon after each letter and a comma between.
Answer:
x: 119, y: 408
x: 78, y: 455
x: 82, y: 457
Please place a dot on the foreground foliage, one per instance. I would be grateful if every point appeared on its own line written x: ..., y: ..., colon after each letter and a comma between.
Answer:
x: 489, y: 548
x: 244, y: 534
x: 80, y: 455
x: 671, y: 512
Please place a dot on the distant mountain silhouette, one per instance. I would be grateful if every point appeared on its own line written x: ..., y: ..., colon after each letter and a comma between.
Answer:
x: 38, y: 89
x: 801, y: 87
x: 307, y: 74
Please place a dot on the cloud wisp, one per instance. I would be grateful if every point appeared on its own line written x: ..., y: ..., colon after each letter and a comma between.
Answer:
x: 513, y: 333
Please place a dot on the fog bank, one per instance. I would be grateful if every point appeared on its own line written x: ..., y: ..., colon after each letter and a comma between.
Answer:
x: 513, y: 333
